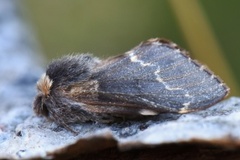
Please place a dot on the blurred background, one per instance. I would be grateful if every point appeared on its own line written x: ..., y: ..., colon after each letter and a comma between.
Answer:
x: 209, y: 30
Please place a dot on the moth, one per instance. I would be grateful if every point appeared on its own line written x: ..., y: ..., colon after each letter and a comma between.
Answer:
x: 155, y: 77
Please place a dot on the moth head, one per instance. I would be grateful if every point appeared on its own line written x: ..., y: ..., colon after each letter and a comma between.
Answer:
x: 44, y: 87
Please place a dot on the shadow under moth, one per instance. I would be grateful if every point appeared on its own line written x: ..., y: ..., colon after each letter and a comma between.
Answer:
x: 155, y: 77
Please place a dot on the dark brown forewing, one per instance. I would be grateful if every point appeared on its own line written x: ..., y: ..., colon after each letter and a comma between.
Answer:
x: 157, y: 75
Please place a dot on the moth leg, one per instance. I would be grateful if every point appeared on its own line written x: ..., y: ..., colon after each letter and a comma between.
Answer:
x: 63, y: 124
x: 68, y: 127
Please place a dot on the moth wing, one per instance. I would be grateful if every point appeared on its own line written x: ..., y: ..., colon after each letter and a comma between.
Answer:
x: 157, y: 75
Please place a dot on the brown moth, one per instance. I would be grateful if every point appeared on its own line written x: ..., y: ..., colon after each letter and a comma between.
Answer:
x: 154, y: 77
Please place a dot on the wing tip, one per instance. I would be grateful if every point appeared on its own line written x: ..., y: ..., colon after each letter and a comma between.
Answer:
x: 169, y: 43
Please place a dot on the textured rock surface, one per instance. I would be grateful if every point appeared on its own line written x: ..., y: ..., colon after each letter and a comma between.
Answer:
x: 35, y: 137
x: 23, y: 135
